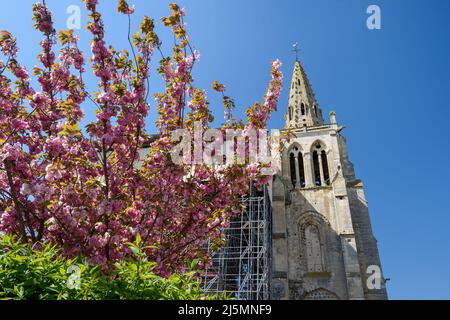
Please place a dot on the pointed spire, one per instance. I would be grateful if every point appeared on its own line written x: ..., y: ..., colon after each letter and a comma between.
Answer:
x: 303, y: 109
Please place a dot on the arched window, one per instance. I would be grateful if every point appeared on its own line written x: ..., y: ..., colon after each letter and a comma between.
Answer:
x: 326, y: 173
x: 320, y: 165
x: 315, y: 110
x: 290, y: 113
x: 314, y: 231
x: 297, y: 169
x: 314, y: 257
x: 302, y: 109
x: 301, y: 170
x: 292, y: 166
x: 298, y: 81
x: 317, y: 181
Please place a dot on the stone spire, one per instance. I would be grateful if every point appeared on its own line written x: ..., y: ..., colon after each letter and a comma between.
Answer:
x: 303, y: 109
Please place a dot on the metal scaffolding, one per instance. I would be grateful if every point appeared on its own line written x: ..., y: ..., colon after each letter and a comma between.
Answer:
x: 241, y: 267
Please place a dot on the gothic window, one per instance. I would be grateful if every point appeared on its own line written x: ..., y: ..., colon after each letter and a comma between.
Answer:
x: 290, y: 113
x: 301, y: 170
x: 326, y: 173
x: 313, y: 249
x: 320, y: 166
x: 297, y: 169
x: 313, y: 238
x: 298, y: 81
x: 292, y: 166
x: 316, y: 169
x: 315, y: 110
x: 303, y: 109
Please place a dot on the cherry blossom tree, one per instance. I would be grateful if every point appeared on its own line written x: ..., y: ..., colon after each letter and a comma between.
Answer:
x: 89, y: 191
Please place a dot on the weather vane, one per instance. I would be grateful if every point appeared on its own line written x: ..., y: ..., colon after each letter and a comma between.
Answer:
x: 295, y: 49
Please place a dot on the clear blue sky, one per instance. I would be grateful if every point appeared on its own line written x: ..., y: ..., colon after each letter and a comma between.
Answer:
x: 390, y: 87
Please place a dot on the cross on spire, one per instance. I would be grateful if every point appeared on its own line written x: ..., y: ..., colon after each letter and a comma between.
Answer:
x: 295, y: 49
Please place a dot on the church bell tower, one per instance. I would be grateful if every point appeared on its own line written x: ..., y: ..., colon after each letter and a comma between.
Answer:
x: 322, y: 241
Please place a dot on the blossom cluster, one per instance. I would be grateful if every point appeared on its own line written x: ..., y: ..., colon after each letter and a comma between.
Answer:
x: 93, y: 193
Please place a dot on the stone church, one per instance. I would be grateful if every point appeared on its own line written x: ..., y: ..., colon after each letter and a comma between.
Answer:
x: 322, y: 242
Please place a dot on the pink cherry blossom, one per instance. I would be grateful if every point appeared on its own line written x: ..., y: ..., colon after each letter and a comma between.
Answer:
x: 92, y: 191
